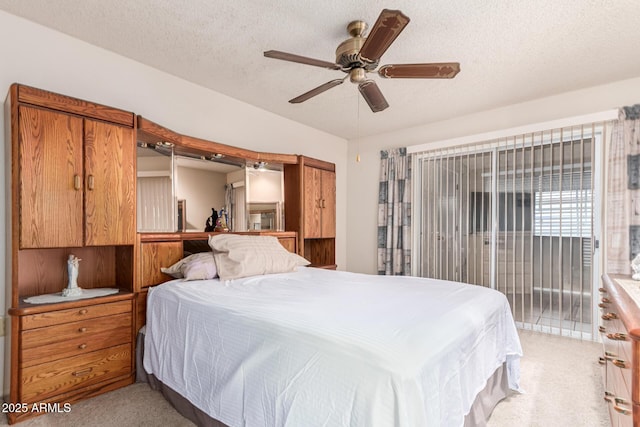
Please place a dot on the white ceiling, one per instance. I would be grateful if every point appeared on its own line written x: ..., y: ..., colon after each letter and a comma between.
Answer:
x: 510, y: 51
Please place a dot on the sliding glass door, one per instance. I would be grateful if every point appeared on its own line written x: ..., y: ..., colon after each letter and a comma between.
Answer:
x: 517, y: 215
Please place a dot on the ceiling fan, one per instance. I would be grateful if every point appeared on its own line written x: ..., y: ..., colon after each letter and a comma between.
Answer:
x: 359, y: 55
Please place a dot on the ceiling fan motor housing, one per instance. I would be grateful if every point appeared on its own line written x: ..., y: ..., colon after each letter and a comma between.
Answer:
x: 348, y: 52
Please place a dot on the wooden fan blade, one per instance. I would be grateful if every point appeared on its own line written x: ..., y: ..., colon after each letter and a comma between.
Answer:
x: 276, y: 54
x: 371, y: 93
x: 388, y: 26
x: 316, y: 91
x: 442, y: 70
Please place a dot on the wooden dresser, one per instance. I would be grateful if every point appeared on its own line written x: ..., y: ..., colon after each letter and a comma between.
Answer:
x: 71, y: 190
x: 620, y: 331
x: 310, y: 209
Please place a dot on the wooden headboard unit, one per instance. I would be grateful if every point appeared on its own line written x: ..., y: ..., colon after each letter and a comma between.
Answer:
x: 156, y: 250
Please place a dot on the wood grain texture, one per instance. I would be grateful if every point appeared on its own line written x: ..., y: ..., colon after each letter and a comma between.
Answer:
x: 157, y: 255
x: 624, y: 380
x: 321, y: 252
x: 152, y: 133
x: 318, y: 164
x: 141, y: 310
x: 110, y: 196
x: 328, y: 203
x: 312, y: 221
x: 54, y: 101
x: 50, y: 158
x: 92, y: 310
x: 49, y: 379
x: 44, y: 271
x: 71, y: 339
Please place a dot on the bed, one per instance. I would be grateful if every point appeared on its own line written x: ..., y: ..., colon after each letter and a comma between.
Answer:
x: 314, y: 347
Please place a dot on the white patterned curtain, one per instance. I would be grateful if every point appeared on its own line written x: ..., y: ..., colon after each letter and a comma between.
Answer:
x: 394, y: 213
x: 623, y: 192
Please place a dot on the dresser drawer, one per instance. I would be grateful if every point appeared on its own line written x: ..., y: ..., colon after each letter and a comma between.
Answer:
x: 74, y: 314
x: 49, y: 379
x: 70, y: 339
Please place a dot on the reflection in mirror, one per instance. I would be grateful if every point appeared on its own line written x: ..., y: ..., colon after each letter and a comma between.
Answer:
x: 181, y: 192
x: 265, y: 197
x: 202, y: 185
x: 155, y: 207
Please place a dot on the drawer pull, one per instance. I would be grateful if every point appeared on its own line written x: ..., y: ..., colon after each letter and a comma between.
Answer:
x: 83, y: 311
x: 605, y: 300
x: 602, y: 360
x: 602, y: 329
x: 620, y: 400
x: 83, y: 329
x: 82, y: 346
x: 608, y: 396
x: 603, y: 305
x: 602, y: 289
x: 619, y: 363
x: 609, y: 316
x: 82, y: 372
x: 620, y: 409
x: 618, y: 336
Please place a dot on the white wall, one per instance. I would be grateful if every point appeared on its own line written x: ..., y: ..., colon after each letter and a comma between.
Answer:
x: 43, y: 58
x: 362, y: 188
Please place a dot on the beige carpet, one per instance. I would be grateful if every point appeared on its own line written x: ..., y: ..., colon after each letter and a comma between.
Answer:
x: 561, y: 377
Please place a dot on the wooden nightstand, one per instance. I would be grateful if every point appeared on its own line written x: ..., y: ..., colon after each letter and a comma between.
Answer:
x: 71, y: 350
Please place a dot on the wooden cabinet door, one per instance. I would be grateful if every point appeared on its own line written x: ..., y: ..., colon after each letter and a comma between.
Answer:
x: 110, y: 199
x: 312, y: 181
x: 50, y: 167
x: 328, y: 203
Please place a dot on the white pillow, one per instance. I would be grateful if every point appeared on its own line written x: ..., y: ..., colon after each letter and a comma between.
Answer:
x: 239, y: 256
x: 200, y: 266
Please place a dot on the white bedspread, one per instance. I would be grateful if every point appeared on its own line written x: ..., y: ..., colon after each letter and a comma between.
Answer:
x: 329, y: 348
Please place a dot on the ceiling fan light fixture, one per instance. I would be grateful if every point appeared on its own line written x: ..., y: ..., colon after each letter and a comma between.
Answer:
x: 357, y: 75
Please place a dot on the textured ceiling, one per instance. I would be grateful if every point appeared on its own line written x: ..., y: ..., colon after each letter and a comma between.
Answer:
x: 509, y: 51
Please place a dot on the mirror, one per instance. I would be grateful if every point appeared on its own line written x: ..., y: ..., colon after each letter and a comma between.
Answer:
x: 265, y: 197
x: 180, y: 192
x: 154, y: 190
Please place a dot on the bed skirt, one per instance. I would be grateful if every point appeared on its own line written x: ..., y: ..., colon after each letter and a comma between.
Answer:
x: 496, y: 389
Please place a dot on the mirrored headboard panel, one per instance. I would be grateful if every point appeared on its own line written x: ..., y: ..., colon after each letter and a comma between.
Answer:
x: 187, y: 184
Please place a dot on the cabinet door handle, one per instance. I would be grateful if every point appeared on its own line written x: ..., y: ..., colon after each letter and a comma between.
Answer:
x: 602, y: 360
x: 76, y: 182
x: 620, y: 409
x: 90, y: 182
x: 82, y: 372
x: 323, y: 205
x: 602, y: 329
x: 617, y: 336
x: 619, y: 363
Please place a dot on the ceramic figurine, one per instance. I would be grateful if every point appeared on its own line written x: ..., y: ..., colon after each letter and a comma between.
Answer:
x: 72, y: 288
x: 221, y: 224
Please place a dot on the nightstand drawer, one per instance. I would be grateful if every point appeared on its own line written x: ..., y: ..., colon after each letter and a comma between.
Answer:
x: 70, y: 339
x: 74, y: 314
x: 49, y: 379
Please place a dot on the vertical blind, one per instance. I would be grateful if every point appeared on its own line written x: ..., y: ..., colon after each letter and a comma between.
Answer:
x: 517, y: 215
